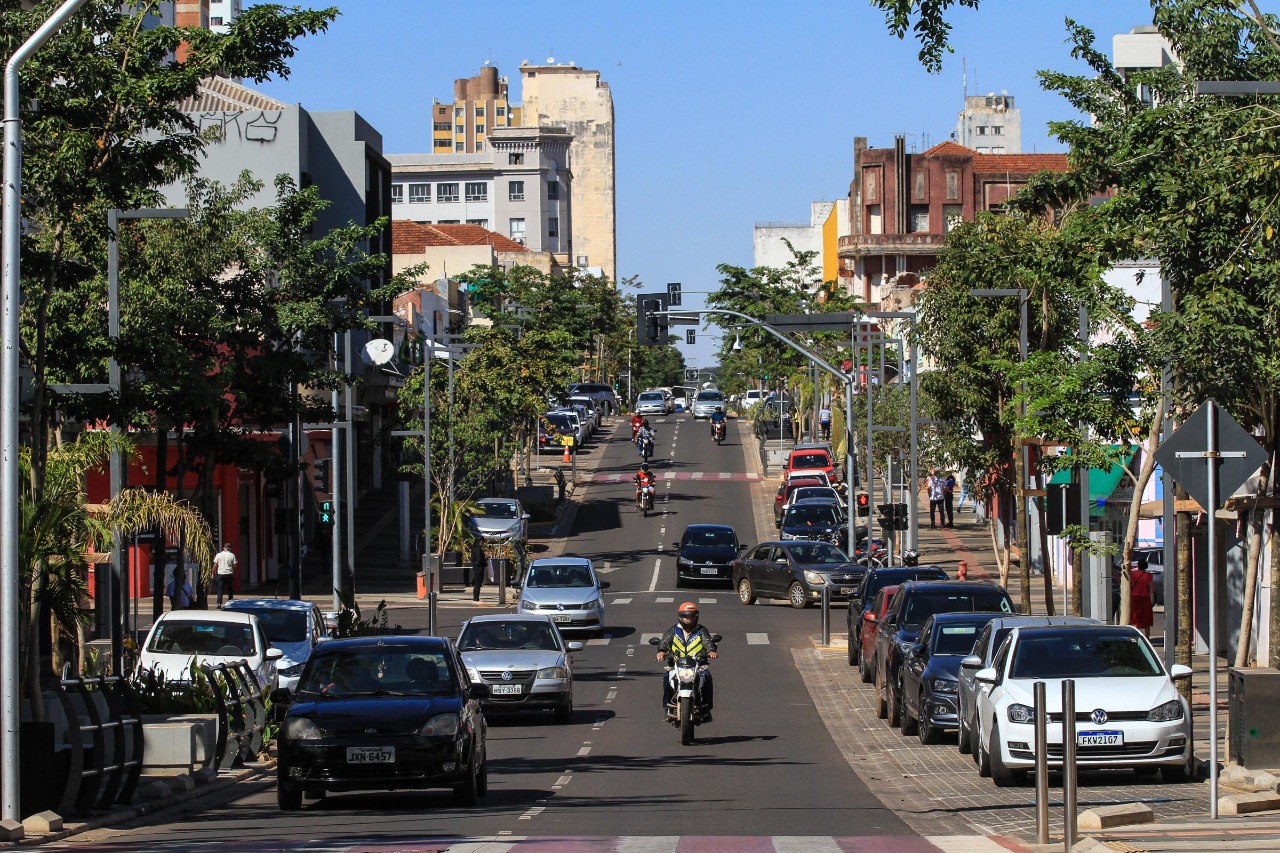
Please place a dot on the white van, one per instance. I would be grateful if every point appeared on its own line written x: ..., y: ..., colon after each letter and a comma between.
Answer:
x: 751, y: 399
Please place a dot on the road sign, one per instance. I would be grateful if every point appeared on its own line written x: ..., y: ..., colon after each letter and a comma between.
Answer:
x: 1183, y: 455
x: 1062, y: 507
x: 673, y: 293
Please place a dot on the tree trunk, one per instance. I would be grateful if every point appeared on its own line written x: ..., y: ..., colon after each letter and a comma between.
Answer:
x: 1273, y: 546
x: 32, y: 642
x: 1077, y: 581
x: 1020, y: 531
x: 158, y: 544
x: 1254, y: 557
x: 1186, y: 622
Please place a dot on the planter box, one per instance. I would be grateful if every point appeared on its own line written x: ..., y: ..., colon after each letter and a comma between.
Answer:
x: 178, y: 744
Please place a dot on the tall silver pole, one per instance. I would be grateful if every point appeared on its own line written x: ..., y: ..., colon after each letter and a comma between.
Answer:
x: 9, y: 392
x: 1070, y: 771
x: 349, y: 463
x: 1042, y: 762
x: 429, y: 566
x: 335, y: 486
x: 115, y: 474
x: 1211, y: 460
x: 850, y: 498
x: 913, y: 473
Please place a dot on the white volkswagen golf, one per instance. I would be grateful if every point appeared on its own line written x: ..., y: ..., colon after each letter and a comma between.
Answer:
x: 1128, y: 712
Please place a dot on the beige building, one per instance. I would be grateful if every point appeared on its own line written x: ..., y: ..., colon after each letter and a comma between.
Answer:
x: 580, y: 101
x: 479, y: 105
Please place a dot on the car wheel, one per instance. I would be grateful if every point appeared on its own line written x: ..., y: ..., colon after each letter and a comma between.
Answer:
x: 882, y: 701
x: 853, y: 652
x: 973, y: 743
x: 288, y: 798
x: 746, y: 594
x: 929, y: 734
x: 893, y: 691
x: 797, y: 596
x: 1001, y: 775
x: 962, y: 738
x: 864, y: 667
x: 981, y: 756
x: 910, y: 724
x: 467, y: 794
x: 1177, y: 774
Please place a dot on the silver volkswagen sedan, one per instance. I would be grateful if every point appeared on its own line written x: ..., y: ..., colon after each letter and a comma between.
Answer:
x: 522, y: 660
x: 568, y: 590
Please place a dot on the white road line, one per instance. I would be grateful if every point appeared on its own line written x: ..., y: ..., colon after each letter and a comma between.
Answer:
x: 662, y: 531
x: 646, y: 844
x: 805, y: 844
x: 696, y: 475
x: 668, y: 475
x: 662, y: 600
x: 708, y: 601
x: 724, y: 475
x: 757, y: 639
x: 600, y: 721
x: 962, y: 843
x: 562, y: 781
x: 599, y: 641
x: 586, y: 750
x: 611, y: 695
x: 657, y: 565
x: 622, y: 601
x: 536, y: 810
x: 496, y: 844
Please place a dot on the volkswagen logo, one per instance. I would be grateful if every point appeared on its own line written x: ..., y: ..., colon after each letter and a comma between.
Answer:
x: 1098, y: 716
x: 559, y: 607
x: 506, y: 676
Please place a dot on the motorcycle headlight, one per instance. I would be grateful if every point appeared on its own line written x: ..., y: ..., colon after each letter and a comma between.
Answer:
x: 1169, y: 711
x: 441, y: 725
x: 686, y: 673
x: 944, y: 685
x: 556, y: 672
x: 815, y: 578
x: 300, y: 728
x: 526, y: 604
x: 1021, y: 713
x: 592, y: 604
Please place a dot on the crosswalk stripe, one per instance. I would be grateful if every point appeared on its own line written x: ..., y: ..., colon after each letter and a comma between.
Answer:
x: 675, y: 843
x: 805, y: 844
x: 622, y: 601
x: 599, y: 641
x: 664, y: 600
x: 708, y: 601
x: 757, y: 639
x: 648, y: 844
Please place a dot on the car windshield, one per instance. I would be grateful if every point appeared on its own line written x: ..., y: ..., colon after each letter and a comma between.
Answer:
x: 378, y: 671
x: 811, y: 516
x: 818, y: 553
x: 500, y: 509
x: 281, y: 626
x: 710, y: 397
x: 810, y: 460
x: 656, y: 397
x: 559, y: 575
x: 710, y: 537
x: 189, y: 637
x: 1083, y: 654
x: 920, y: 607
x: 954, y: 639
x: 513, y: 634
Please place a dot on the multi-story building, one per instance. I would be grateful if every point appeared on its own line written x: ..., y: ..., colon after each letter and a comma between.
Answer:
x: 828, y: 222
x: 521, y: 186
x: 577, y: 99
x: 479, y: 105
x: 902, y: 206
x: 1141, y: 49
x: 990, y: 124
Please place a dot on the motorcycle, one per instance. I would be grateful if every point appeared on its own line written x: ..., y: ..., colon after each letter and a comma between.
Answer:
x: 686, y: 681
x: 646, y: 448
x: 717, y: 431
x: 644, y: 499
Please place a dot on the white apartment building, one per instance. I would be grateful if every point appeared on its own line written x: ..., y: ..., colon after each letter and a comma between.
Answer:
x: 990, y: 124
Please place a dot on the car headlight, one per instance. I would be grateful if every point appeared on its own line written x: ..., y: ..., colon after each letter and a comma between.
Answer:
x: 441, y: 725
x: 557, y: 672
x: 1169, y: 711
x: 526, y: 604
x: 301, y: 728
x: 682, y: 561
x: 592, y: 604
x: 291, y: 670
x: 1021, y: 713
x: 815, y: 578
x: 944, y: 685
x: 474, y: 675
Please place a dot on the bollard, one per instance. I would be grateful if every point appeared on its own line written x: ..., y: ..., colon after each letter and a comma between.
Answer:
x: 1069, y: 763
x: 826, y: 614
x: 500, y: 569
x: 962, y: 571
x: 1042, y: 764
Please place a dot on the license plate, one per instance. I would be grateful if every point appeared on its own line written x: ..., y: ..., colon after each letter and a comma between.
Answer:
x: 371, y: 755
x: 561, y: 618
x: 1099, y: 738
x: 847, y: 590
x: 507, y: 689
x: 711, y: 571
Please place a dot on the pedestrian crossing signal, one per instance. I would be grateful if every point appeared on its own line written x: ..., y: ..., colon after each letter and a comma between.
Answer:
x: 326, y: 513
x: 864, y: 504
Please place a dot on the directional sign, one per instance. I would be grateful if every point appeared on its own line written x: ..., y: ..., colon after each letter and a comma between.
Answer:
x: 1182, y: 455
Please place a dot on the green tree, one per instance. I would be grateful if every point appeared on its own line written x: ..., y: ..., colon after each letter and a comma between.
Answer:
x: 927, y: 19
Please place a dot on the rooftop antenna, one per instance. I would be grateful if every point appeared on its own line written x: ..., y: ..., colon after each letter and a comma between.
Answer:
x: 964, y: 76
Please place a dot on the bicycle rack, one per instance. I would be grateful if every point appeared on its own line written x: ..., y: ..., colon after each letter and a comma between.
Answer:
x: 105, y: 734
x: 242, y: 714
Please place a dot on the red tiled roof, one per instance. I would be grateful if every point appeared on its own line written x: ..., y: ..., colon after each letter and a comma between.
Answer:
x: 1024, y: 164
x: 411, y: 238
x: 950, y: 148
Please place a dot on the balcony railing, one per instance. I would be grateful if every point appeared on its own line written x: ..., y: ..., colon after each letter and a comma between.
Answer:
x: 906, y: 244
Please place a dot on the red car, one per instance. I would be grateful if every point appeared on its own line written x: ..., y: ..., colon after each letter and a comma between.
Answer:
x: 870, y: 619
x: 811, y: 459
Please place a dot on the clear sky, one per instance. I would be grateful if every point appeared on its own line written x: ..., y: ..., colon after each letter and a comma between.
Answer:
x: 727, y: 113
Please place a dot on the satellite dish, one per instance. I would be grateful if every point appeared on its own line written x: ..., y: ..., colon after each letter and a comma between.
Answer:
x: 378, y: 351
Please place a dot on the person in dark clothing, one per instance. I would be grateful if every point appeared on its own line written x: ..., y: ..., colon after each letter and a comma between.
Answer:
x: 687, y: 637
x: 479, y: 562
x: 949, y: 499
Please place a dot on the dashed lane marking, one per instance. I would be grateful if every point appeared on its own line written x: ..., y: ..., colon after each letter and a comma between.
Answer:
x: 663, y: 599
x: 599, y: 641
x: 757, y: 639
x: 622, y: 601
x: 708, y: 601
x: 584, y: 750
x: 562, y: 781
x: 657, y: 566
x: 534, y: 812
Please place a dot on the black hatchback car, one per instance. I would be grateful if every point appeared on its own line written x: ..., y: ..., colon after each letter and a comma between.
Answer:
x: 382, y: 713
x: 796, y: 571
x: 706, y: 553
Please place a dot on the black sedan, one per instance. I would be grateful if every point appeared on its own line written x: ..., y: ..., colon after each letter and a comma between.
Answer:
x: 931, y: 672
x: 382, y: 713
x: 796, y: 571
x: 706, y: 553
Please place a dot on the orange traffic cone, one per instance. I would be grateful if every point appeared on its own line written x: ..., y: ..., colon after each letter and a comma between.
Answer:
x: 566, y: 454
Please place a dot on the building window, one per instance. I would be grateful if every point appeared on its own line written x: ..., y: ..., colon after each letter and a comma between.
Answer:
x: 517, y: 230
x: 397, y: 193
x: 483, y: 223
x: 952, y: 215
x: 515, y: 190
x: 459, y: 147
x: 441, y: 125
x: 981, y: 130
x: 446, y: 192
x: 997, y: 149
x: 921, y: 189
x: 480, y: 112
x: 997, y: 130
x: 443, y: 143
x: 919, y: 217
x: 501, y: 111
x: 448, y: 222
x: 515, y: 159
x: 953, y: 186
x: 215, y: 22
x: 553, y: 190
x: 553, y: 226
x: 419, y: 193
x: 875, y: 222
x: 457, y: 111
x: 479, y: 144
x: 479, y: 129
x: 478, y: 191
x: 460, y: 129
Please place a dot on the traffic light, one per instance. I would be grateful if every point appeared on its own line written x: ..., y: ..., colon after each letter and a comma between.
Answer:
x: 326, y: 513
x: 651, y: 328
x: 864, y: 504
x: 320, y: 475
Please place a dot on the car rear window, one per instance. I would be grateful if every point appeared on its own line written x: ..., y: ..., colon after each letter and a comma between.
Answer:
x: 710, y: 397
x: 378, y: 671
x: 811, y: 515
x: 186, y: 637
x: 920, y: 607
x: 810, y: 460
x: 710, y: 538
x: 282, y: 626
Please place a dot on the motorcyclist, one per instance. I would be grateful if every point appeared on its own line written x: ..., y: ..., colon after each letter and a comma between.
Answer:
x: 717, y: 420
x: 645, y: 433
x: 636, y: 421
x: 643, y: 479
x: 688, y: 638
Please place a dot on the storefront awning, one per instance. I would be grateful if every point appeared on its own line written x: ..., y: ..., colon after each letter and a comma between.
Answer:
x: 1102, y: 481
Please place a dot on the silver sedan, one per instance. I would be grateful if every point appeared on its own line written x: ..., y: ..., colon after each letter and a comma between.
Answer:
x: 523, y: 660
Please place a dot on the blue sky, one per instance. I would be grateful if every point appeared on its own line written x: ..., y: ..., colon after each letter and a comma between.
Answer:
x: 727, y: 113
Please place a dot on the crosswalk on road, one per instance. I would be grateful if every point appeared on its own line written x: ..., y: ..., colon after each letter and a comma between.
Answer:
x: 678, y: 844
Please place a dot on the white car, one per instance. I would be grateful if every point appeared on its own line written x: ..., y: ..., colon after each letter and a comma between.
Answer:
x: 706, y: 403
x: 293, y: 627
x: 751, y: 399
x: 1128, y: 712
x: 652, y: 403
x: 180, y: 638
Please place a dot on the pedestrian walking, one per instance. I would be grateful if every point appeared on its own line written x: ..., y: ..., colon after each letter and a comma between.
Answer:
x: 479, y: 562
x: 948, y: 498
x: 224, y: 567
x: 179, y: 590
x: 1142, y: 597
x: 935, y: 487
x: 824, y: 422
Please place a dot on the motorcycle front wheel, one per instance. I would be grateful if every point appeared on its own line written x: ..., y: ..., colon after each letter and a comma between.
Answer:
x: 686, y: 720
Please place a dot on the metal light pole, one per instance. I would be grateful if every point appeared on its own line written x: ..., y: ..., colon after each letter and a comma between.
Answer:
x: 9, y: 391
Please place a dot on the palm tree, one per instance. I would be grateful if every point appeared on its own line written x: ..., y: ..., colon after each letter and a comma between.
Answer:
x: 58, y: 532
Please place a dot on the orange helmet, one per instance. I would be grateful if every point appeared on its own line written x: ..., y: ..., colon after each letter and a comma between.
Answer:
x: 688, y: 608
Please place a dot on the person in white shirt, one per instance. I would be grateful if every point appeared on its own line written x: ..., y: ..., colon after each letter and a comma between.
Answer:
x: 937, y: 488
x: 224, y: 566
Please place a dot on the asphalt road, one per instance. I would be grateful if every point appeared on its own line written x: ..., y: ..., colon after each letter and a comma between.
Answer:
x: 765, y: 767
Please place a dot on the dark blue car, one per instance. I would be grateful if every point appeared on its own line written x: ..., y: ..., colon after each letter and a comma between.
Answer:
x: 931, y: 673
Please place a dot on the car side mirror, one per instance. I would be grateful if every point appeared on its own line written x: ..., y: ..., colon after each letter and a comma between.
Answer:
x: 971, y: 662
x: 604, y: 584
x: 575, y: 646
x: 1180, y: 670
x: 653, y: 641
x: 742, y: 548
x: 478, y: 691
x: 525, y: 517
x: 274, y: 654
x: 281, y: 696
x: 890, y: 619
x: 986, y: 676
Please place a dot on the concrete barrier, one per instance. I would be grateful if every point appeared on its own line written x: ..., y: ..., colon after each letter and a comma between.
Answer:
x: 1238, y: 804
x: 42, y: 823
x: 178, y: 744
x: 1105, y: 817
